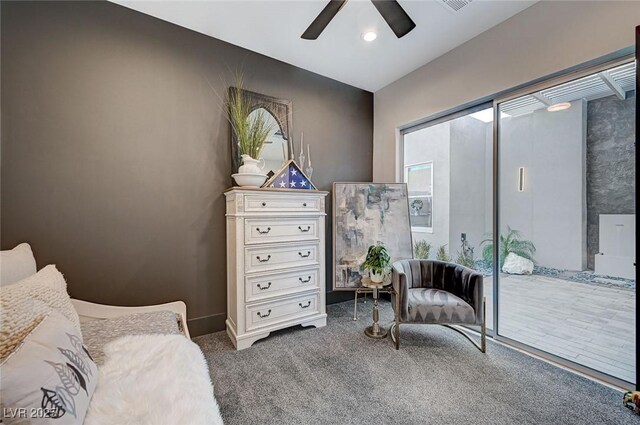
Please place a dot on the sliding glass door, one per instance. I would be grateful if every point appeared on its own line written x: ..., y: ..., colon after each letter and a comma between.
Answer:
x: 542, y: 203
x: 567, y: 220
x: 447, y: 166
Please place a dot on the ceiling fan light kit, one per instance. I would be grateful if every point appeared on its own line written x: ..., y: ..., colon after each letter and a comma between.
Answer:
x: 390, y: 10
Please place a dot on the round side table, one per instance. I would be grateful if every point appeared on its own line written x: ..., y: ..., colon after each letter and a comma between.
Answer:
x: 375, y: 330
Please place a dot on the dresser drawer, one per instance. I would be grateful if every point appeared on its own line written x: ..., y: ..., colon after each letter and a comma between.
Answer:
x: 277, y: 284
x: 265, y: 314
x: 274, y: 257
x: 280, y: 203
x: 280, y: 230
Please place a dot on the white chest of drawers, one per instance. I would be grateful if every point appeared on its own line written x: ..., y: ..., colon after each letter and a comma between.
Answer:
x: 275, y: 262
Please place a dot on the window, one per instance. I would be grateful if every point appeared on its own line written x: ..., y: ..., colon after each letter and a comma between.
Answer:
x: 419, y: 179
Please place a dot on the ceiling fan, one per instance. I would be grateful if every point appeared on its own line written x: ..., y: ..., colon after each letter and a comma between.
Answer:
x: 391, y: 11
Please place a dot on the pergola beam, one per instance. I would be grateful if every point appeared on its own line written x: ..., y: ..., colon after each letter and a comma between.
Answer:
x: 542, y: 98
x: 613, y: 85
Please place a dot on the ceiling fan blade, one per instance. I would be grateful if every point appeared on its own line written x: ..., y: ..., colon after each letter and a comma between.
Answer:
x: 396, y: 17
x: 322, y: 20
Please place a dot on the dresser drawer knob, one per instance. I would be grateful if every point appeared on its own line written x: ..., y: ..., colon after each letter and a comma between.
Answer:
x: 264, y: 204
x: 304, y: 230
x: 305, y: 281
x: 263, y: 315
x: 264, y: 287
x: 263, y: 232
x: 304, y: 205
x: 303, y: 255
x: 264, y: 260
x: 305, y: 306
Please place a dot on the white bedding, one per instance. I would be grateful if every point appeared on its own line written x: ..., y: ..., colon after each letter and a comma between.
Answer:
x: 153, y: 379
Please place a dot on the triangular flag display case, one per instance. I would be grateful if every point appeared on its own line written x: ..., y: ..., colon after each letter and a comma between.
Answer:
x: 290, y: 176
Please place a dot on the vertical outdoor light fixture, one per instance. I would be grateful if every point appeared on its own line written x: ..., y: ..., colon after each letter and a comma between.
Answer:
x: 521, y: 179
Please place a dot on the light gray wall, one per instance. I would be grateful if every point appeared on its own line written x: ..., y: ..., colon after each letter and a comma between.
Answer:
x: 432, y: 144
x: 115, y: 150
x: 458, y: 151
x: 611, y: 157
x: 544, y: 39
x: 551, y: 212
x: 468, y: 178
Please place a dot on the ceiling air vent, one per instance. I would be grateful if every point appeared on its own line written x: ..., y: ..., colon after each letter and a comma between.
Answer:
x: 454, y: 5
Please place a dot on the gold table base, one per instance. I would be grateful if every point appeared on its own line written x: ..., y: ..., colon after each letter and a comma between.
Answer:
x: 375, y: 330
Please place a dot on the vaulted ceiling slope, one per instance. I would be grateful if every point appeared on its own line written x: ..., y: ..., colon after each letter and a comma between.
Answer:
x: 273, y: 28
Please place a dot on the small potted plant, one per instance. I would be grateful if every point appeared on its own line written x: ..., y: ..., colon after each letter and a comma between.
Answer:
x: 377, y: 261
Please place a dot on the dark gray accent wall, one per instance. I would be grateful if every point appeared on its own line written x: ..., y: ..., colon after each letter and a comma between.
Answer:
x: 611, y: 154
x: 115, y: 150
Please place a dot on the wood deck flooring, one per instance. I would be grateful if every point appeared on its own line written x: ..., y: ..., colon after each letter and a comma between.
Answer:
x: 589, y: 324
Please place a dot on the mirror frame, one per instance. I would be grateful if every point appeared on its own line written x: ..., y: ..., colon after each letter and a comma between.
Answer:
x: 280, y: 109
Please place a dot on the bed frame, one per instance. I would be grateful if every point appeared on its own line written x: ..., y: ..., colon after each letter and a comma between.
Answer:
x: 91, y: 311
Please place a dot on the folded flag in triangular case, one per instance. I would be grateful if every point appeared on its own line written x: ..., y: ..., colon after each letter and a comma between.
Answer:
x: 290, y: 176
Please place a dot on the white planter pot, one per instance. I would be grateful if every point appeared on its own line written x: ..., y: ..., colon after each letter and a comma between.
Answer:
x: 376, y: 277
x: 249, y: 180
x: 250, y: 165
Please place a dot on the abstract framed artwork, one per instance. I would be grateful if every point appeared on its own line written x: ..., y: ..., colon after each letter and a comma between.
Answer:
x: 364, y: 214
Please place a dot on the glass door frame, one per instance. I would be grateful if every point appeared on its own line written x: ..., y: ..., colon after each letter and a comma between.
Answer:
x: 439, y: 119
x: 564, y: 78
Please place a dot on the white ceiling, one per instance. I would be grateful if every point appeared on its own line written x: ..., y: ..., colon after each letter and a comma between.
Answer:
x: 273, y: 28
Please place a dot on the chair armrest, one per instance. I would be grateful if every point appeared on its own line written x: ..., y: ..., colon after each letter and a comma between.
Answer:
x: 470, y: 287
x: 399, y: 282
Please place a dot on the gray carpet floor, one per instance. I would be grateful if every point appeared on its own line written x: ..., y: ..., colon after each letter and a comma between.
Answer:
x: 337, y: 375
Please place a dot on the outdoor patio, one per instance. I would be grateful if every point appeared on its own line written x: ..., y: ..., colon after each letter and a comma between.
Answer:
x: 589, y: 324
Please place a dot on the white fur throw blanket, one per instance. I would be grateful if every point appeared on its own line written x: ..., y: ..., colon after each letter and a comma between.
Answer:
x: 153, y: 379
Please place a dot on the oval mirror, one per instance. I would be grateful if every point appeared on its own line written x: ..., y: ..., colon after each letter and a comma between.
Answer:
x: 275, y: 150
x: 278, y: 148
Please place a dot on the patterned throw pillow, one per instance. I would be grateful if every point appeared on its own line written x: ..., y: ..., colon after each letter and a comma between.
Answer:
x: 23, y: 305
x: 50, y: 378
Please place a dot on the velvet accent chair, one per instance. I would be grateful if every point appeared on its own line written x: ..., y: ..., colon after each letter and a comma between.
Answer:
x: 440, y: 293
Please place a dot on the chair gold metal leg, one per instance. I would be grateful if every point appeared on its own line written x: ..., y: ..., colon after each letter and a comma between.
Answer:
x: 483, y: 336
x: 355, y: 306
x: 483, y: 330
x: 395, y: 332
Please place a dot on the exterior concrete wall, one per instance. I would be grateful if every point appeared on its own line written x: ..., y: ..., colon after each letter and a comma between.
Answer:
x: 468, y: 194
x: 611, y: 154
x: 432, y: 144
x: 458, y: 151
x: 551, y: 212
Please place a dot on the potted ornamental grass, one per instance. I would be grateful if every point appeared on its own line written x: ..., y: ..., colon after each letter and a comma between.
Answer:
x: 377, y: 262
x: 252, y: 127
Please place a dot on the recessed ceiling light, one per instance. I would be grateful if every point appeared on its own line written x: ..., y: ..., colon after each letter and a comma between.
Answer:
x: 559, y: 107
x: 369, y: 36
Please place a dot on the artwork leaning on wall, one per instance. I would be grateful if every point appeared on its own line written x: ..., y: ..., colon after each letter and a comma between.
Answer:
x: 363, y: 215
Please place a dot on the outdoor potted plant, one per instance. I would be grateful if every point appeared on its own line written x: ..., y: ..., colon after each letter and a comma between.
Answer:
x: 378, y: 262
